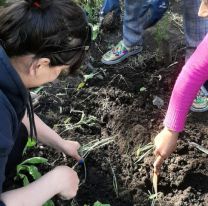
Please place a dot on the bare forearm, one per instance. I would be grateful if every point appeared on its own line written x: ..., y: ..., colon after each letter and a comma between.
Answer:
x: 62, y: 180
x: 35, y: 194
x: 45, y: 134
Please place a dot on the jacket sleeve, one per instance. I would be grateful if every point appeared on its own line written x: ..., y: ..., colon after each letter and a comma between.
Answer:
x: 2, y: 204
x: 191, y: 78
x: 6, y: 140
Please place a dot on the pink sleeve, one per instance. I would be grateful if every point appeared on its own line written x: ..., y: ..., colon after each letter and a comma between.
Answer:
x: 188, y: 83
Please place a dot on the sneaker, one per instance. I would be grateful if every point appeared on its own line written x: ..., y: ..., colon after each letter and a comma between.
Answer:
x: 118, y: 53
x: 200, y: 103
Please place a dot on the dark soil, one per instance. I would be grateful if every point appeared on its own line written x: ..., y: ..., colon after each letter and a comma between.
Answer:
x: 126, y: 112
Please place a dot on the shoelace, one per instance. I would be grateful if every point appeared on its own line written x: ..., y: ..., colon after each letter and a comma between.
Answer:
x: 118, y: 50
x: 30, y: 113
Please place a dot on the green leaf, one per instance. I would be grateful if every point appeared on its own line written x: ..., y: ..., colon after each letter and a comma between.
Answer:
x: 88, y: 76
x: 33, y: 171
x: 95, y: 31
x: 30, y: 142
x: 49, y: 203
x: 153, y: 196
x: 143, y: 89
x: 25, y: 181
x: 38, y: 89
x: 81, y: 85
x: 100, y: 204
x: 35, y: 160
x: 21, y: 168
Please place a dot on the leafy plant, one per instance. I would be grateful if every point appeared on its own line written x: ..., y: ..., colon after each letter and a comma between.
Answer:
x: 86, y: 78
x: 31, y: 142
x: 98, y: 204
x: 143, y: 151
x: 84, y: 120
x: 92, y: 8
x: 28, y: 167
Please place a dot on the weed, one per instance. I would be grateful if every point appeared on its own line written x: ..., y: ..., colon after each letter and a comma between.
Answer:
x: 143, y: 151
x: 84, y: 120
x: 199, y: 147
x: 115, y: 185
x: 93, y: 145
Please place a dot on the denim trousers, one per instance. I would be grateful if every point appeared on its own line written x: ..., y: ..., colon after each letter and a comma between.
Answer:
x: 195, y: 27
x: 136, y: 16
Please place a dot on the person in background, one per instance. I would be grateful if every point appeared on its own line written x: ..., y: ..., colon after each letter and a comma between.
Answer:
x: 139, y: 15
x: 192, y: 76
x: 39, y: 40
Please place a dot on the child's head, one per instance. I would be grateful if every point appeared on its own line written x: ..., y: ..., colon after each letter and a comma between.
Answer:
x: 53, y: 29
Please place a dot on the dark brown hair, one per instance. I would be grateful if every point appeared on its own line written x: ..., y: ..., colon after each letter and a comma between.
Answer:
x: 43, y: 27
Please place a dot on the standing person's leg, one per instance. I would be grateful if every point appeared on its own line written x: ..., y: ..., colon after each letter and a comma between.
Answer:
x: 195, y: 28
x: 109, y: 5
x: 132, y: 33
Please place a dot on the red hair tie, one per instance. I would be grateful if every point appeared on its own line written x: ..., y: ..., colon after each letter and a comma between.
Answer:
x: 36, y: 4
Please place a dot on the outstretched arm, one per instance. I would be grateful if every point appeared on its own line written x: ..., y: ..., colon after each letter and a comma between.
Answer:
x: 48, y: 136
x: 192, y: 76
x: 62, y: 180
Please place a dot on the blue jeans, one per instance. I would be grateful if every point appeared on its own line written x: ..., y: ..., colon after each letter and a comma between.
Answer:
x: 139, y: 15
x: 195, y: 28
x: 109, y: 5
x: 137, y: 18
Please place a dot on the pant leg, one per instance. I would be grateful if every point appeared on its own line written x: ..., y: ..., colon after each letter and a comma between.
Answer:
x: 195, y: 27
x: 15, y: 157
x: 109, y: 5
x: 133, y: 22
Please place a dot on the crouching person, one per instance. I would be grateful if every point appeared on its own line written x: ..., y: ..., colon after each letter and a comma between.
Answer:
x: 39, y: 39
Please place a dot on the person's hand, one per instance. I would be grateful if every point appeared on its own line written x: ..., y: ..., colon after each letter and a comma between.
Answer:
x: 165, y: 143
x: 71, y: 148
x: 205, y: 1
x: 68, y: 183
x: 203, y: 9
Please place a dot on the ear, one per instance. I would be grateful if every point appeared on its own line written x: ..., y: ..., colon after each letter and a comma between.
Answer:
x: 203, y: 10
x: 38, y: 65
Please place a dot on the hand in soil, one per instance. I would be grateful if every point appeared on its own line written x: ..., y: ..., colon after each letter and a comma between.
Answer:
x: 165, y: 143
x: 71, y: 148
x: 68, y: 182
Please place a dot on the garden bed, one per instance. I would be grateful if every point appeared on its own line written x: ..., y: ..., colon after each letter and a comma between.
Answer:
x: 117, y: 102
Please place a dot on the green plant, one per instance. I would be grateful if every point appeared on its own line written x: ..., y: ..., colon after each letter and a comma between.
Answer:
x: 28, y: 167
x: 143, y: 151
x: 92, y: 8
x: 2, y: 2
x: 84, y: 120
x: 86, y: 78
x: 152, y: 198
x: 98, y: 204
x: 31, y: 142
x: 199, y: 147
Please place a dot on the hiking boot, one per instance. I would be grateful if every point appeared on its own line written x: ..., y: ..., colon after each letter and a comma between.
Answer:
x: 118, y: 53
x: 200, y: 103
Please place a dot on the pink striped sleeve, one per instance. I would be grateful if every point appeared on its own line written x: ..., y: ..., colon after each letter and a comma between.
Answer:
x: 189, y: 81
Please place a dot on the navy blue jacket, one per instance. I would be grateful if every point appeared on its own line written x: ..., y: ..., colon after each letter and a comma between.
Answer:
x: 13, y: 101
